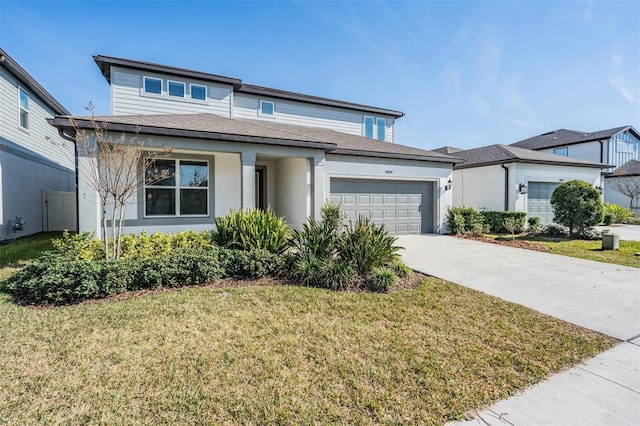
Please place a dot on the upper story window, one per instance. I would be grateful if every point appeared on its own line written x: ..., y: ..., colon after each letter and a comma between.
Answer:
x: 176, y: 188
x: 564, y: 151
x: 198, y: 92
x: 368, y: 127
x: 24, y: 108
x: 152, y: 85
x: 176, y: 89
x: 267, y: 109
x: 381, y: 124
x: 624, y: 146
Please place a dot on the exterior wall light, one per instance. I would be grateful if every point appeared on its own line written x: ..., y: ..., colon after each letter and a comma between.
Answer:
x: 448, y: 185
x: 523, y: 188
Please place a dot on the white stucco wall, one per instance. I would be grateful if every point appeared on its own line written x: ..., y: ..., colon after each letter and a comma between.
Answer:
x: 293, y: 186
x: 589, y: 151
x: 392, y: 169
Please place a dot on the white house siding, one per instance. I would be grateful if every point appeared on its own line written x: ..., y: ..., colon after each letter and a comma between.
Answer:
x: 30, y: 160
x: 480, y: 187
x: 589, y: 151
x: 299, y: 113
x: 344, y: 166
x: 127, y: 96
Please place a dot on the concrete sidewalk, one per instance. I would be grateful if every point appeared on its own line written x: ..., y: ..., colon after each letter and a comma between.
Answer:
x: 604, y: 390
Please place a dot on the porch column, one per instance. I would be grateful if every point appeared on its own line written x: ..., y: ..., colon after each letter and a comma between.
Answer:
x: 248, y: 160
x: 318, y: 195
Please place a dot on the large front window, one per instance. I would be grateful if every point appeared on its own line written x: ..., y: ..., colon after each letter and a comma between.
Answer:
x: 176, y: 188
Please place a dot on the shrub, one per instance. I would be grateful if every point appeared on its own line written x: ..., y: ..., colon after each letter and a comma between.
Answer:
x: 464, y: 220
x: 325, y: 273
x: 367, y: 245
x: 399, y: 268
x: 79, y: 246
x: 496, y: 220
x: 554, y: 230
x: 255, y: 263
x: 381, y: 280
x: 534, y: 224
x: 615, y: 214
x: 588, y: 234
x: 252, y: 229
x: 576, y: 205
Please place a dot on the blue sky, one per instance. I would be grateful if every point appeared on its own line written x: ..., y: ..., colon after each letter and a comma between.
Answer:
x: 466, y: 74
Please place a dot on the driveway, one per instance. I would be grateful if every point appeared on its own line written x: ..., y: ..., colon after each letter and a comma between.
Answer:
x: 604, y: 390
x: 626, y: 232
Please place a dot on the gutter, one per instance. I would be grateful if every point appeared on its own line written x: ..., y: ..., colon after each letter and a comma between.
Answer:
x: 77, y: 173
x: 506, y: 187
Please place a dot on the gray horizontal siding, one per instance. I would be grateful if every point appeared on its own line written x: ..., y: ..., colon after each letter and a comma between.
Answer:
x: 41, y: 138
x: 127, y: 98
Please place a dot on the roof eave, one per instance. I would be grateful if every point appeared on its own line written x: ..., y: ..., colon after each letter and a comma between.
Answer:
x: 359, y: 153
x: 554, y: 163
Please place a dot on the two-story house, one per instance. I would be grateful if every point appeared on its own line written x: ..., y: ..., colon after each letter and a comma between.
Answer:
x: 615, y: 147
x: 33, y: 156
x: 254, y: 146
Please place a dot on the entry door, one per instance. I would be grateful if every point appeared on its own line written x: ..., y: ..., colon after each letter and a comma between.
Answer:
x: 261, y: 183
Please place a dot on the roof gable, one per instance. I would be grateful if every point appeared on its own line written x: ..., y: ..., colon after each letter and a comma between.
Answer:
x: 563, y: 137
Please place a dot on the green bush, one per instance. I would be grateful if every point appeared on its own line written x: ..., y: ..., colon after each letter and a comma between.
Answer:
x: 83, y: 246
x: 255, y: 263
x: 576, y: 205
x: 367, y: 245
x: 399, y: 268
x: 615, y: 214
x: 495, y: 220
x: 555, y: 230
x: 534, y: 224
x: 465, y: 220
x: 252, y: 229
x: 381, y: 280
x: 325, y: 273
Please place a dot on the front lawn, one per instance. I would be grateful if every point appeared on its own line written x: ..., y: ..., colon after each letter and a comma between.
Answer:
x: 278, y: 354
x: 14, y: 254
x: 590, y: 250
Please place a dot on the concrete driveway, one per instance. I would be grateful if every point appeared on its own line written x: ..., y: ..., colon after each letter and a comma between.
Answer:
x: 604, y: 390
x: 626, y: 232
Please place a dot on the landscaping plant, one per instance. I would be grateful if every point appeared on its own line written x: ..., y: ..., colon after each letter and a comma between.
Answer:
x: 576, y: 205
x: 466, y: 220
x: 614, y: 213
x: 252, y: 229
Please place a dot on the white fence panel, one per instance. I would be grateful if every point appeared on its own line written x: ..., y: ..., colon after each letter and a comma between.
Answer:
x: 59, y: 211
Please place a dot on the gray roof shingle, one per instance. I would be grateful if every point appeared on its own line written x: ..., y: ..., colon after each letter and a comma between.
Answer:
x: 630, y: 168
x: 210, y: 126
x: 500, y: 154
x: 562, y: 137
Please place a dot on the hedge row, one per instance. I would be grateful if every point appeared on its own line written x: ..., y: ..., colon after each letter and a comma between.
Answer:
x: 467, y: 220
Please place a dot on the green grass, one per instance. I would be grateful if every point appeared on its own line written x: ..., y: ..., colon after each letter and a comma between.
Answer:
x: 592, y: 250
x: 13, y: 255
x: 267, y: 355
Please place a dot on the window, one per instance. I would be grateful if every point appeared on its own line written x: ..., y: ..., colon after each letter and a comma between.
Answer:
x: 24, y: 108
x: 152, y: 85
x: 561, y: 151
x: 177, y: 188
x: 267, y: 109
x: 176, y: 88
x: 381, y: 123
x: 198, y: 92
x: 623, y: 146
x: 368, y: 127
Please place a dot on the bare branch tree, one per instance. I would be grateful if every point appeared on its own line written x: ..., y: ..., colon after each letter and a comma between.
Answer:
x: 629, y: 186
x: 120, y: 168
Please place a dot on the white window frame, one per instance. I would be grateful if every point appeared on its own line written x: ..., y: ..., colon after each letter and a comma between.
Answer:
x: 263, y: 114
x: 184, y: 89
x: 191, y: 92
x: 624, y: 147
x: 20, y: 108
x: 177, y: 188
x: 564, y: 149
x: 364, y: 126
x: 384, y: 128
x: 144, y: 86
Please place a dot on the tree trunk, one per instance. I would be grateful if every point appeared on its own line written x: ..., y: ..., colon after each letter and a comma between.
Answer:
x: 104, y: 230
x: 120, y: 226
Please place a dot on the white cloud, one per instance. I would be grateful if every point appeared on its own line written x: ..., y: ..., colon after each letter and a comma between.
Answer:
x: 628, y: 92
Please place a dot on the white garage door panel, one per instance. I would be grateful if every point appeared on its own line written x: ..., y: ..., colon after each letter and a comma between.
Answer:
x: 402, y: 207
x: 539, y: 201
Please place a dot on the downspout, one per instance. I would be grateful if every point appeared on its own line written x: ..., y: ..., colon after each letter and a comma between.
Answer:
x: 601, y: 151
x: 75, y: 157
x: 506, y: 187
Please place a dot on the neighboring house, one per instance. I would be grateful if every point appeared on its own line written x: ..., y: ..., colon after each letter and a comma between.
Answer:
x: 612, y: 146
x: 504, y: 177
x: 629, y: 175
x: 33, y: 156
x: 254, y: 146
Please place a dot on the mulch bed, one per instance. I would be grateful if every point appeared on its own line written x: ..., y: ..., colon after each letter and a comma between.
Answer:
x: 528, y: 245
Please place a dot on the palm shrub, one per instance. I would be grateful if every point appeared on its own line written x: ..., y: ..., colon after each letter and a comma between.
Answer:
x: 252, y: 229
x: 367, y: 245
x: 615, y: 213
x: 381, y: 279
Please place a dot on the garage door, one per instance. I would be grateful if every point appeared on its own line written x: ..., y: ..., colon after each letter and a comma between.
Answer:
x: 402, y: 207
x: 539, y: 201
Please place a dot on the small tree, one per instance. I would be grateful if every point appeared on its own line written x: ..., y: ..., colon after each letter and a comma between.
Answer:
x: 122, y: 165
x: 576, y: 205
x: 629, y: 186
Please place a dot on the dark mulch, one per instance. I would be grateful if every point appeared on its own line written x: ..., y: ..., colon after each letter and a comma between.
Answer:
x: 528, y: 245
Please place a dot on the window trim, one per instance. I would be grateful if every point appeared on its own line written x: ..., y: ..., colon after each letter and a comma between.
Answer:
x: 177, y: 188
x: 384, y: 128
x: 191, y: 86
x: 26, y: 110
x: 564, y: 149
x: 263, y: 114
x: 144, y: 86
x: 364, y: 126
x: 184, y: 89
